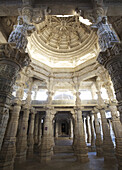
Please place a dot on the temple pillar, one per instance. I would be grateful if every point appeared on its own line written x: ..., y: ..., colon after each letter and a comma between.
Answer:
x: 56, y: 132
x: 21, y: 145
x: 71, y: 129
x: 11, y: 62
x: 92, y: 134
x: 40, y: 131
x: 47, y: 142
x: 111, y: 59
x: 98, y: 141
x: 117, y: 128
x: 36, y: 129
x: 108, y: 147
x: 8, y: 151
x: 30, y: 139
x: 75, y: 131
x: 88, y: 129
x: 81, y: 149
x: 116, y: 124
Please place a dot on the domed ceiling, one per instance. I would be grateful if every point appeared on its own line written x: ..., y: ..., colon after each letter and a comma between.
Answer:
x: 62, y: 42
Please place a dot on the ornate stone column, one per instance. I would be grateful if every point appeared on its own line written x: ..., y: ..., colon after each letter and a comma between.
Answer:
x: 81, y: 149
x: 98, y: 141
x: 47, y: 142
x: 84, y: 121
x: 74, y: 129
x: 30, y: 139
x: 116, y: 124
x: 11, y: 62
x: 117, y: 128
x: 21, y: 145
x: 111, y: 59
x: 8, y: 151
x: 40, y: 131
x: 71, y: 129
x: 92, y: 133
x: 56, y: 133
x: 88, y: 129
x: 36, y: 129
x: 108, y: 147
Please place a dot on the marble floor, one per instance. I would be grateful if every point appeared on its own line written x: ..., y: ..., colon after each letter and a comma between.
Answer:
x: 66, y: 161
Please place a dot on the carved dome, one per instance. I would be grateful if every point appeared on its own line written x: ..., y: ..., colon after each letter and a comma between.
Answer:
x: 63, y: 39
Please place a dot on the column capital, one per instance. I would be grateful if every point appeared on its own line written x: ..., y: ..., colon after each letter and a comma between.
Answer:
x: 8, y: 52
x: 110, y: 53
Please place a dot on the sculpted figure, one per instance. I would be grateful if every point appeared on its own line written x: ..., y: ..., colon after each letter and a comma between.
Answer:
x: 106, y: 34
x: 20, y: 33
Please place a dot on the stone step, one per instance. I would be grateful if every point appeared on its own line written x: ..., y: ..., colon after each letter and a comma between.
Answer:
x: 64, y: 160
x: 63, y: 149
x: 63, y: 156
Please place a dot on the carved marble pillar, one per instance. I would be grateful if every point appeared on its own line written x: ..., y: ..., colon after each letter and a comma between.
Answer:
x: 98, y: 141
x: 111, y: 59
x: 84, y: 121
x: 81, y: 149
x: 74, y: 130
x: 88, y: 129
x: 56, y: 132
x: 40, y: 131
x: 36, y: 129
x: 117, y: 128
x: 21, y: 145
x: 47, y: 142
x: 92, y: 134
x: 11, y: 62
x: 52, y: 128
x: 8, y: 151
x: 71, y: 129
x: 108, y: 147
x: 30, y: 139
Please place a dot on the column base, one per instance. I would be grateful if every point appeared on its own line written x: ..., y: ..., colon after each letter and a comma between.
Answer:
x: 99, y: 152
x: 109, y: 159
x: 20, y: 158
x: 30, y: 154
x: 82, y: 158
x: 7, y: 166
x: 45, y: 157
x: 93, y: 148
